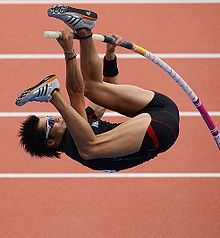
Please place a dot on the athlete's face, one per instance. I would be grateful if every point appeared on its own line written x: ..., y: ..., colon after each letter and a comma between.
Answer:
x: 54, y: 128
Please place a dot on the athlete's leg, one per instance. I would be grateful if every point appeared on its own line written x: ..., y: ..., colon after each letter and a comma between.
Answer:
x: 125, y: 99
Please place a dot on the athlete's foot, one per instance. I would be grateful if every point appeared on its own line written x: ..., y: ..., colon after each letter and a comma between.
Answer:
x: 42, y: 92
x: 73, y: 17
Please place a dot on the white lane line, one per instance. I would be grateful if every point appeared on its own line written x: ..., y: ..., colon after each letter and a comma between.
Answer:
x: 120, y: 56
x: 106, y: 175
x: 108, y: 1
x: 107, y: 114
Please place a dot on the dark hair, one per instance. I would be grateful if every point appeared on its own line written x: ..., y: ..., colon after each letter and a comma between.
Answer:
x: 33, y: 140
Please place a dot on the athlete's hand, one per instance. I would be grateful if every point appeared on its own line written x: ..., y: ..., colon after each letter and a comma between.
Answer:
x: 66, y: 41
x: 118, y: 39
x: 110, y: 49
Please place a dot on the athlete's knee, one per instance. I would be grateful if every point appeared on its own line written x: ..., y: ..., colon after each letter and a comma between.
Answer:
x: 145, y: 117
x: 91, y: 88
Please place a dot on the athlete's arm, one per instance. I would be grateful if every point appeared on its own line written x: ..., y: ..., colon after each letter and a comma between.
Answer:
x: 122, y: 140
x: 74, y: 80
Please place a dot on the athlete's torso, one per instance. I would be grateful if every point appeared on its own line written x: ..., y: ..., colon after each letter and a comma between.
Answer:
x: 116, y: 163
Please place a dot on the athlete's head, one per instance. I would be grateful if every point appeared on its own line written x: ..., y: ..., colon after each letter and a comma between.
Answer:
x: 42, y: 136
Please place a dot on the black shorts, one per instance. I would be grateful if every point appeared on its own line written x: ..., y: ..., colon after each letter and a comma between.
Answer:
x: 164, y: 127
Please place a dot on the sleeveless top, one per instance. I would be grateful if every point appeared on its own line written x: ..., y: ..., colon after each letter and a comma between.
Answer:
x: 98, y: 126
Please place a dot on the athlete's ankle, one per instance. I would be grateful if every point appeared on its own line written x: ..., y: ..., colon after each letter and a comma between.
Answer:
x: 84, y: 33
x: 55, y: 95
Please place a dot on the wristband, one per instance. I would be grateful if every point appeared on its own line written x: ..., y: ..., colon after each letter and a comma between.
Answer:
x: 110, y: 68
x: 71, y: 57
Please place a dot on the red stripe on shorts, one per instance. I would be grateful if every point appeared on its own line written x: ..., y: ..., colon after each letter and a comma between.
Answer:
x: 153, y: 136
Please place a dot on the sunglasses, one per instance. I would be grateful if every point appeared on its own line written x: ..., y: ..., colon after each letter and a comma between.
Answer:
x: 50, y: 121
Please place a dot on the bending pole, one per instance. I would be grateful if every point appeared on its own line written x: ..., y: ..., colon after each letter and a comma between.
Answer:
x: 156, y: 60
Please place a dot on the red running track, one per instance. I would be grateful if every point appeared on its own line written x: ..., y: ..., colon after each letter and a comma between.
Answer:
x: 115, y: 207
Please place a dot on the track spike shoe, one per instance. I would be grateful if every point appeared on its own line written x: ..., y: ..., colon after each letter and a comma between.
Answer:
x: 73, y: 17
x: 42, y: 92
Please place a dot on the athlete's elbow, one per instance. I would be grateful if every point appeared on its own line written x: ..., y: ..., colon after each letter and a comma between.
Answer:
x: 87, y: 153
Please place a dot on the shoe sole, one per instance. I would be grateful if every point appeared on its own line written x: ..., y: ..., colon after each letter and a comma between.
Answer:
x: 26, y: 93
x: 86, y: 14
